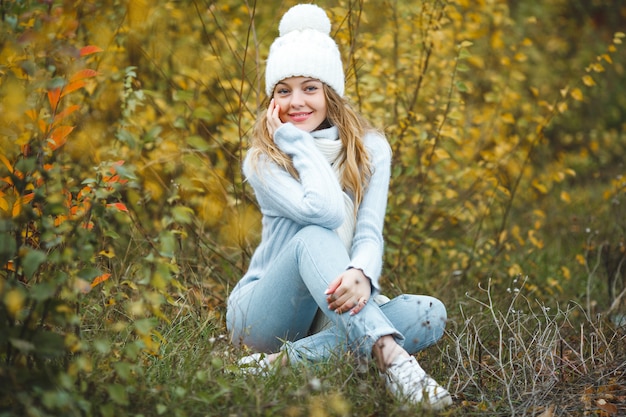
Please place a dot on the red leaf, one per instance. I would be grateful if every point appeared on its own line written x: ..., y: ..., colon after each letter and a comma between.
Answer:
x: 58, y: 137
x: 89, y: 49
x: 113, y: 179
x: 82, y: 74
x: 119, y: 206
x: 72, y: 87
x: 53, y: 97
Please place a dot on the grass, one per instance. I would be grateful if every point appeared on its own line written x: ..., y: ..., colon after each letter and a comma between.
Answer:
x: 503, y: 354
x: 519, y: 357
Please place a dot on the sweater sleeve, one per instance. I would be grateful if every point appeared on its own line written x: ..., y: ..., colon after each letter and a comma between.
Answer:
x: 368, y: 244
x: 314, y: 199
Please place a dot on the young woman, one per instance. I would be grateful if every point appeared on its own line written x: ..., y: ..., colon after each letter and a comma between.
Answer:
x: 321, y: 174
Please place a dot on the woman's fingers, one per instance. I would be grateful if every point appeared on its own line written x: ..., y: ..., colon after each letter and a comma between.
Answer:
x: 346, y: 302
x: 348, y: 292
x: 273, y: 118
x: 336, y: 300
x: 334, y: 284
x: 359, y: 306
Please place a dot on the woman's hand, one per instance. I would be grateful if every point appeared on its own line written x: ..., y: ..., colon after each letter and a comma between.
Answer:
x: 350, y: 291
x: 273, y: 119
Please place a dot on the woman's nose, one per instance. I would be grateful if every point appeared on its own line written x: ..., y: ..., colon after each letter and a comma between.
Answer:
x: 297, y: 99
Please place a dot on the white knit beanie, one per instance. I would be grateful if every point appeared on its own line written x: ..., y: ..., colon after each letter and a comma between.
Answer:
x: 304, y: 48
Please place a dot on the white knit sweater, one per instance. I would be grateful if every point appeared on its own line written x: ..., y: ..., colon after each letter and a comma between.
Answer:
x: 287, y: 204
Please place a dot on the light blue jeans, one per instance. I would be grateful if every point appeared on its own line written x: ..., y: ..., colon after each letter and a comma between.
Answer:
x: 276, y: 312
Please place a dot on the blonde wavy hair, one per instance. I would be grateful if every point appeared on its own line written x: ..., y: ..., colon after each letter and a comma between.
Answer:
x: 354, y: 157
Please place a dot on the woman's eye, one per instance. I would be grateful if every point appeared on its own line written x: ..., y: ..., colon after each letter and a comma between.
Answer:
x: 282, y: 91
x: 310, y: 88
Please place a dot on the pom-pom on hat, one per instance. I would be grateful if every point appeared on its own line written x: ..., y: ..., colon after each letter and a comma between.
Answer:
x: 304, y: 48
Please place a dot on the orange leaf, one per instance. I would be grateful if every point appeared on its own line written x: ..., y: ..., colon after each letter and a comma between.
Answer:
x: 89, y: 49
x: 65, y: 113
x: 6, y: 162
x: 58, y: 136
x: 17, y: 208
x: 59, y: 220
x: 82, y: 74
x: 83, y: 192
x: 32, y: 113
x: 606, y: 406
x: 115, y: 164
x: 73, y: 86
x: 100, y: 279
x: 53, y: 97
x: 4, y: 204
x: 119, y: 206
x: 27, y: 198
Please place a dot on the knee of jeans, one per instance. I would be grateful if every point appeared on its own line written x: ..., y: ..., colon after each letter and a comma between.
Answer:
x: 439, y: 317
x: 318, y: 238
x: 314, y: 232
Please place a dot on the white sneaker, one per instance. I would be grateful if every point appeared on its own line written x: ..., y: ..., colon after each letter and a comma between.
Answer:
x: 255, y: 364
x: 406, y: 379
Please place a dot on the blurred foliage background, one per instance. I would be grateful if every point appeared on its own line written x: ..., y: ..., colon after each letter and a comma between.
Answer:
x: 123, y: 125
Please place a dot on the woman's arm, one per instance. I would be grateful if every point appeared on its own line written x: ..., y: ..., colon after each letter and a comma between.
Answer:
x: 352, y: 289
x: 314, y: 199
x: 368, y: 244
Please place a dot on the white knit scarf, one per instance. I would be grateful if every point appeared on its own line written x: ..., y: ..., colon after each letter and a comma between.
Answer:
x: 327, y: 141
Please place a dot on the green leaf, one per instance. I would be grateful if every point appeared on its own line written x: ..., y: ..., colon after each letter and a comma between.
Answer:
x: 22, y: 345
x: 123, y: 369
x: 204, y: 114
x: 8, y: 247
x: 144, y: 326
x: 89, y: 273
x: 180, y: 391
x: 31, y: 262
x: 102, y: 346
x: 49, y: 344
x: 152, y: 134
x: 464, y: 53
x: 118, y: 394
x: 107, y: 410
x: 42, y: 291
x: 26, y: 164
x: 56, y: 399
x: 182, y: 214
x: 183, y: 95
x: 112, y: 234
x: 167, y: 245
x: 461, y: 87
x: 198, y: 143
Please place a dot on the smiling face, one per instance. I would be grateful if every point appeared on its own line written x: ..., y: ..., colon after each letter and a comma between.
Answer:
x: 302, y: 102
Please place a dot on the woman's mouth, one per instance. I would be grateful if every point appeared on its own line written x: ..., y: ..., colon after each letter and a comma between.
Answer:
x: 300, y: 117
